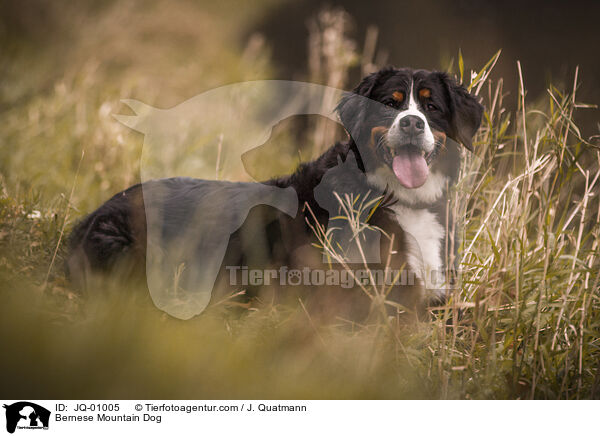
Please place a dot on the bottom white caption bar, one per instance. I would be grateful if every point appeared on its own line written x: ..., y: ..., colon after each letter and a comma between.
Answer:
x: 296, y: 417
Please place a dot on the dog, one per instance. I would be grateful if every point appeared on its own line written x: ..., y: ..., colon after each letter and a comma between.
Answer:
x: 405, y: 129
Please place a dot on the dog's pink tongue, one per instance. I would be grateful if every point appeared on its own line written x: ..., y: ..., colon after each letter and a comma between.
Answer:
x: 410, y: 169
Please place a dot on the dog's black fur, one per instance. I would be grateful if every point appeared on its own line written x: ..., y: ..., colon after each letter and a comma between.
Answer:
x: 116, y: 232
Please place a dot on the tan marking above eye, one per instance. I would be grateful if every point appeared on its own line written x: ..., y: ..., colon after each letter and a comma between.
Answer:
x: 398, y: 96
x: 425, y: 93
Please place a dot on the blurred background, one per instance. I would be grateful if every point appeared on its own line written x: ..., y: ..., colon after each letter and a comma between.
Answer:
x: 65, y: 66
x: 550, y: 38
x: 63, y: 63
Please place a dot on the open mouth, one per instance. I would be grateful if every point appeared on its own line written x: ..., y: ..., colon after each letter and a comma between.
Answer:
x: 409, y: 162
x: 410, y: 165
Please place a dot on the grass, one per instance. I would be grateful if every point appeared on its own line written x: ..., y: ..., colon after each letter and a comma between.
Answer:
x: 529, y: 323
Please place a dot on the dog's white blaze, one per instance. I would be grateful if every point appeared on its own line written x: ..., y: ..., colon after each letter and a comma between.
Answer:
x: 412, y: 103
x: 424, y: 239
x: 413, y: 109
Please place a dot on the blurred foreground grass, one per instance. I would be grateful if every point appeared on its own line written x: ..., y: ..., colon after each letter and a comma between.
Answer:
x: 529, y: 303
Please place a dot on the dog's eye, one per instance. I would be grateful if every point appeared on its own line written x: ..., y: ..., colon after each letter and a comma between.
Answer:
x: 431, y: 107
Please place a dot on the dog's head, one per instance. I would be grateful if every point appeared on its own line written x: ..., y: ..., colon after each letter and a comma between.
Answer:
x: 401, y: 120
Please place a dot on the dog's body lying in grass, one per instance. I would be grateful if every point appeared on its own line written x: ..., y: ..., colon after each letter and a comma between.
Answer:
x: 403, y: 125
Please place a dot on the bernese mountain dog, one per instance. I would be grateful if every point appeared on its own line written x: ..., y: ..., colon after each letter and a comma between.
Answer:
x: 404, y: 130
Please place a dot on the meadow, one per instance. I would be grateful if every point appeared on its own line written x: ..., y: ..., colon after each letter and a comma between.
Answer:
x: 525, y: 322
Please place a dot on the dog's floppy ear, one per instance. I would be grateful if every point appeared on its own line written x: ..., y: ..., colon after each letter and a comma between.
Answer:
x: 354, y: 106
x: 465, y: 112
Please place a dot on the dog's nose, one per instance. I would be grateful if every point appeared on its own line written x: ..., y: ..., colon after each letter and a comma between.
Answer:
x: 412, y: 125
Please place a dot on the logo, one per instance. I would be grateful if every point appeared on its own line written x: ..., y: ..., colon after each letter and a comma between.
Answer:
x: 26, y: 415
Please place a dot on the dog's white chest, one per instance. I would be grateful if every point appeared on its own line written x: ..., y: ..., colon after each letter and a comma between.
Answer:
x: 424, y: 236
